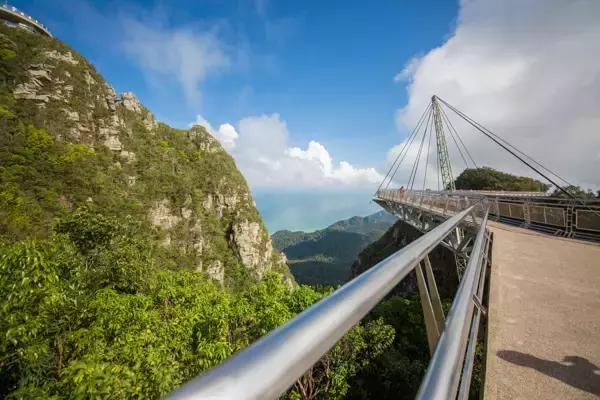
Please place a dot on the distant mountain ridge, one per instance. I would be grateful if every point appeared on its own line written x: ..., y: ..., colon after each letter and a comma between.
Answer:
x: 326, y: 256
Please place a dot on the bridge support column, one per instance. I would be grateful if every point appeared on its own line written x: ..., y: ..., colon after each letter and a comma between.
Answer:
x: 430, y: 303
x: 435, y: 295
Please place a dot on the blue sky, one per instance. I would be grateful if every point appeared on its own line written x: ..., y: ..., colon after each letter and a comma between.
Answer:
x: 304, y: 95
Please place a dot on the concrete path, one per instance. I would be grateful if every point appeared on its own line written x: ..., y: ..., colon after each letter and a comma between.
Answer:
x: 544, y: 317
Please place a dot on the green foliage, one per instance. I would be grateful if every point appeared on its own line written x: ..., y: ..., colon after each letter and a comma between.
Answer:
x: 41, y: 177
x: 486, y: 178
x: 334, y: 374
x: 396, y: 373
x: 4, y: 113
x: 7, y: 54
x: 575, y: 191
x: 89, y: 313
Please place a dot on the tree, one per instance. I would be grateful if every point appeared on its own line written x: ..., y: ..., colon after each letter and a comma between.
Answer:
x: 330, y: 377
x: 576, y: 191
x: 91, y: 312
x: 486, y: 178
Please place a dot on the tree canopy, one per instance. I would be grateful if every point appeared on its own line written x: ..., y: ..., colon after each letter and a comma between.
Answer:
x: 486, y: 178
x: 91, y: 313
x: 576, y: 191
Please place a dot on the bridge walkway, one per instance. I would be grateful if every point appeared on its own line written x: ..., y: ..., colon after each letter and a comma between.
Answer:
x: 544, y: 317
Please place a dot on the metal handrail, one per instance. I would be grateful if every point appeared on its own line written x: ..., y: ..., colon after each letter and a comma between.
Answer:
x: 443, y: 375
x: 271, y: 365
x: 575, y: 218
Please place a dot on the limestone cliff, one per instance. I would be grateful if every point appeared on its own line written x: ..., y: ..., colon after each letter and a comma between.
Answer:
x: 181, y: 184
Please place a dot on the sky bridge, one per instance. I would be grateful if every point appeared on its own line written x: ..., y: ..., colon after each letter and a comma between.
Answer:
x: 12, y: 16
x: 544, y: 295
x: 528, y: 265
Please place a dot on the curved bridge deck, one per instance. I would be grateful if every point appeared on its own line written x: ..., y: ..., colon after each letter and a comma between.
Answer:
x: 544, y: 299
x: 544, y: 317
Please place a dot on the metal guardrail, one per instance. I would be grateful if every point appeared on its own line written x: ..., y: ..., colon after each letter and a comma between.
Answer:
x: 267, y: 368
x: 452, y: 359
x: 578, y: 219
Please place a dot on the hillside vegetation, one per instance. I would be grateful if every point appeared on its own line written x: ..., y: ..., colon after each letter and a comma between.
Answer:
x: 69, y: 141
x: 486, y: 178
x: 325, y: 256
x: 131, y: 254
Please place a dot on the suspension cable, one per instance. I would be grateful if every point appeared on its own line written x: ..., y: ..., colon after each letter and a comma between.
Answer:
x: 455, y: 142
x: 517, y: 150
x: 493, y: 138
x: 418, y: 159
x: 444, y: 115
x: 405, y: 145
x: 427, y: 158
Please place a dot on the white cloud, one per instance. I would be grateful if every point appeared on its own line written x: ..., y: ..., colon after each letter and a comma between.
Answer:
x: 528, y: 70
x: 315, y: 152
x: 261, y: 148
x: 408, y: 71
x: 183, y: 54
x: 228, y: 135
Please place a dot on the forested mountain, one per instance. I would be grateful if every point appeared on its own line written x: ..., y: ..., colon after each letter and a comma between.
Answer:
x: 325, y: 256
x: 131, y: 254
x: 68, y: 141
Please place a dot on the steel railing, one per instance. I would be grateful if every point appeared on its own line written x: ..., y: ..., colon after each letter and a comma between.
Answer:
x: 267, y: 368
x: 455, y: 349
x: 579, y: 218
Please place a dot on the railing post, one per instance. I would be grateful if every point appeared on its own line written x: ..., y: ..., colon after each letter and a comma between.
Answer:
x: 526, y: 213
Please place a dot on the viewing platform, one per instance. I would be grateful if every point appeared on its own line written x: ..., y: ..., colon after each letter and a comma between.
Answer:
x: 544, y: 317
x: 557, y: 216
x: 14, y: 17
x: 544, y: 296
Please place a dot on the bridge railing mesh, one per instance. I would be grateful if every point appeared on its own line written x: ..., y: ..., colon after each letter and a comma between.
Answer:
x: 572, y: 218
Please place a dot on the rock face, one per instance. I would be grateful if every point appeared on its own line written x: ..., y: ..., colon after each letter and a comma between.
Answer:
x: 244, y: 238
x: 180, y: 183
x: 398, y: 236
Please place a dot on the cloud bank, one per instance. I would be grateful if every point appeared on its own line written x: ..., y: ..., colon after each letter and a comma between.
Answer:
x: 527, y: 69
x: 184, y: 54
x: 262, y: 150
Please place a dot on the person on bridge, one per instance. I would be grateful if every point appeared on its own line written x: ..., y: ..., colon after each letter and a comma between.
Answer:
x: 402, y: 190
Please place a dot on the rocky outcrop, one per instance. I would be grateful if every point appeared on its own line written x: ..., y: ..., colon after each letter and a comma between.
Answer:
x: 63, y: 57
x: 38, y: 77
x: 219, y: 203
x: 130, y: 102
x: 161, y: 215
x: 253, y: 248
x: 182, y: 183
x: 216, y: 270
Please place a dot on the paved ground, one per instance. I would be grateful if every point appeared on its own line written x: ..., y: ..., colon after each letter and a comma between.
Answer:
x: 544, y: 319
